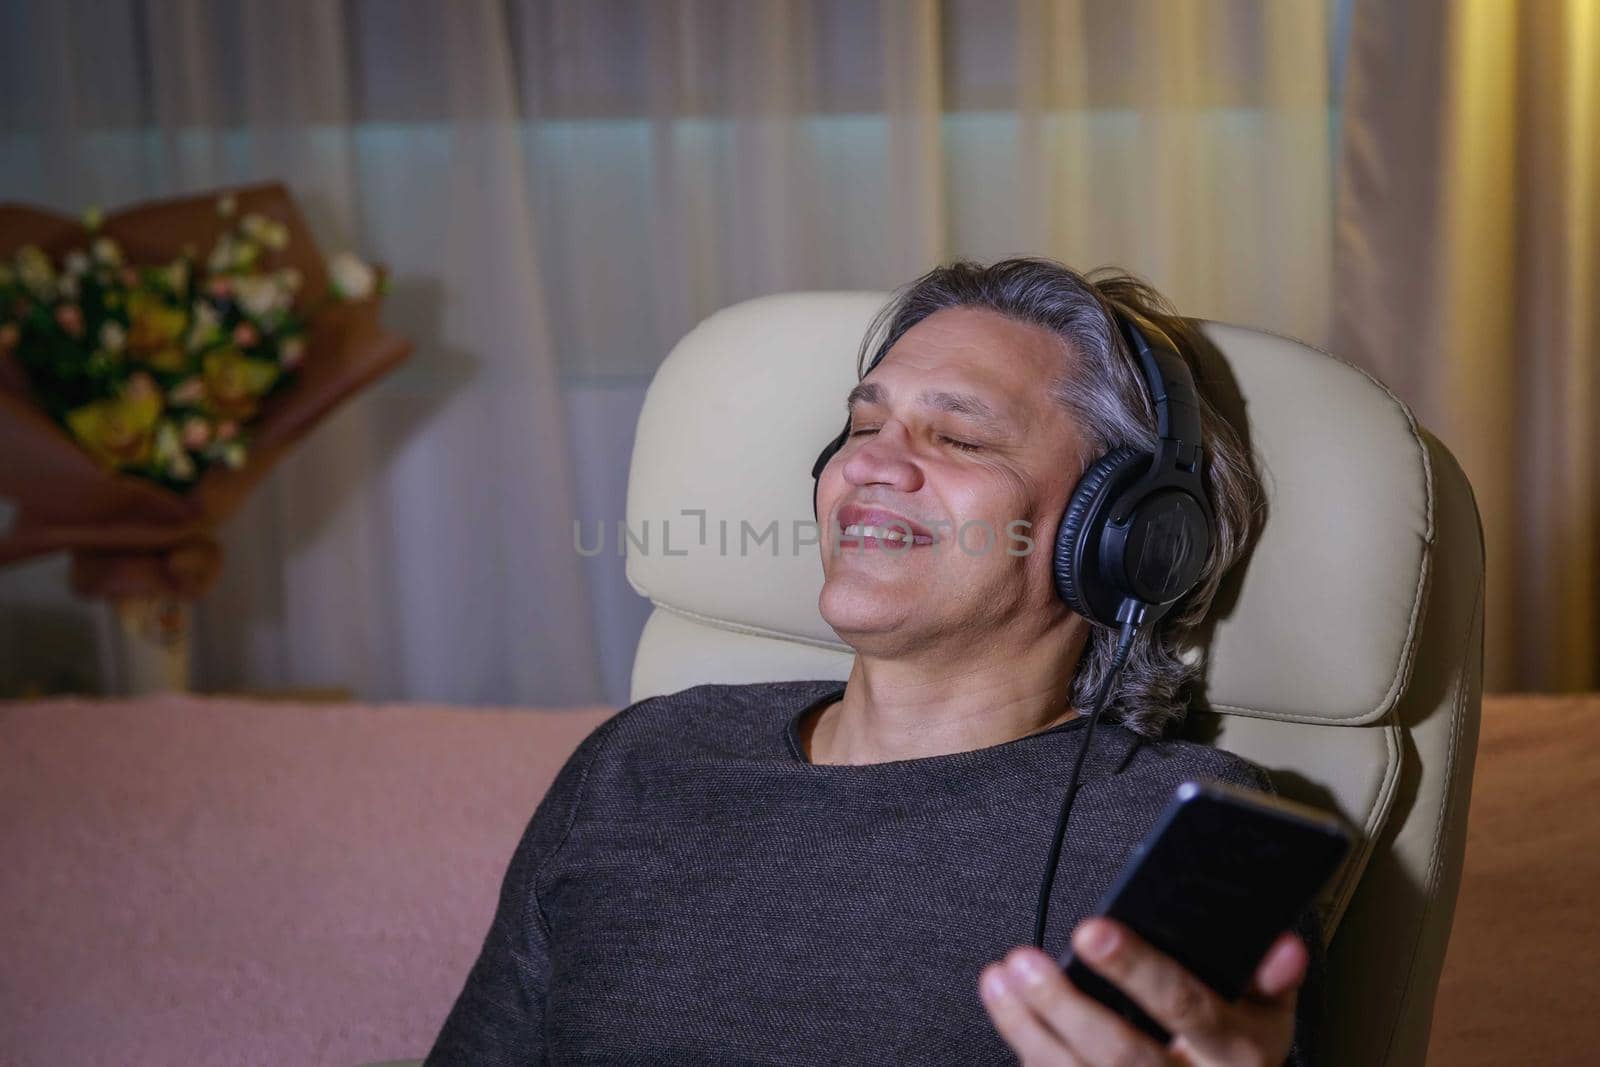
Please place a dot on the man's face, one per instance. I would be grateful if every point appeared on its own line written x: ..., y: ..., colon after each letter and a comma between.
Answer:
x: 954, y: 433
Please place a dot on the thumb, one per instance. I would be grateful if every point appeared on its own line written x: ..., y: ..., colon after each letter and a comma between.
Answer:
x: 1282, y: 969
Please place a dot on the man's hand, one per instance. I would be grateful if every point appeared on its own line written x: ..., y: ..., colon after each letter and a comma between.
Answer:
x: 1049, y: 1023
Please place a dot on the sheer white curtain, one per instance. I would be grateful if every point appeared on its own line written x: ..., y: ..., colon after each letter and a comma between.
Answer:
x: 561, y: 190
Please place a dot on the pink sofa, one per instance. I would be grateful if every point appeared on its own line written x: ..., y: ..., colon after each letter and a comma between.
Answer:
x: 206, y: 881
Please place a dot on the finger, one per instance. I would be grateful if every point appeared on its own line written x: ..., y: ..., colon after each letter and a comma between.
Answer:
x: 1169, y: 992
x: 1036, y: 1043
x: 1282, y: 969
x: 1085, y: 1025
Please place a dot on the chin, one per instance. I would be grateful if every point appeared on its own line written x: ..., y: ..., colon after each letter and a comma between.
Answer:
x: 852, y: 605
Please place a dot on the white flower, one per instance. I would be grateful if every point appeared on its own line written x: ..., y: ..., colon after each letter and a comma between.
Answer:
x: 226, y: 205
x: 107, y: 252
x: 76, y: 262
x: 221, y: 257
x: 68, y: 286
x: 259, y: 296
x: 352, y: 279
x: 204, y: 327
x: 273, y: 234
x: 112, y: 336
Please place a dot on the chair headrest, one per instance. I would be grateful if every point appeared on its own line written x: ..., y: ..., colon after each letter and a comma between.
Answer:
x: 1319, y: 624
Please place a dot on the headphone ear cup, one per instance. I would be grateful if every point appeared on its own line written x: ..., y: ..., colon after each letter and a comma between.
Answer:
x: 822, y: 461
x: 1079, y: 581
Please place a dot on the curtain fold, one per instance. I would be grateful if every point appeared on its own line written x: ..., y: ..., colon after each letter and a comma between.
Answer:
x: 1468, y: 273
x: 562, y: 190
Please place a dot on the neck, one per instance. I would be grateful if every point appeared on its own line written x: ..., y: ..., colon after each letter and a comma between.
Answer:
x: 897, y: 708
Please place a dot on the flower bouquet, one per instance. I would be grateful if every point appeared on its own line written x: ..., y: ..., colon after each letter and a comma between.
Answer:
x: 154, y: 365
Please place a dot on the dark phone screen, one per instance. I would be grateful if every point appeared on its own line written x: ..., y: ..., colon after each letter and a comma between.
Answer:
x: 1222, y: 873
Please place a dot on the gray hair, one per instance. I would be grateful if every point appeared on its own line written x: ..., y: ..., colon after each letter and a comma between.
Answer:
x: 1107, y: 395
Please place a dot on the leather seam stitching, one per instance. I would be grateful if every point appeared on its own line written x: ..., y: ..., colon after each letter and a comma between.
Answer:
x: 1441, y: 825
x: 1377, y: 819
x: 1402, y: 669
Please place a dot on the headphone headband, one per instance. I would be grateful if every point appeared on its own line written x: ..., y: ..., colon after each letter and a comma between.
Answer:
x: 1169, y: 382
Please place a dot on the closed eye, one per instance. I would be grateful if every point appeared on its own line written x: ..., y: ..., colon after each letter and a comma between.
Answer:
x: 953, y: 442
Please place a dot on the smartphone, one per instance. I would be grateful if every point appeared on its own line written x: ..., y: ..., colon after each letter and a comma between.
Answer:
x: 1224, y: 871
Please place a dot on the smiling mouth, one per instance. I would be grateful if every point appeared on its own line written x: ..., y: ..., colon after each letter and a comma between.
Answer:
x: 857, y: 535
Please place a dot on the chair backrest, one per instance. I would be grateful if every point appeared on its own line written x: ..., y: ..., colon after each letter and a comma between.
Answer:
x: 1345, y: 653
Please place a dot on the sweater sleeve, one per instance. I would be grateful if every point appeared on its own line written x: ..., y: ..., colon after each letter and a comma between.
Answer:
x: 498, y: 1017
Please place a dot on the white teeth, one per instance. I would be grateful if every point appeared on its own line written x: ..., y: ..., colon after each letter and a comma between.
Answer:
x: 882, y: 533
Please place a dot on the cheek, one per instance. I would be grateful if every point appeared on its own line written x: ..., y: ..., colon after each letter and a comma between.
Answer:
x: 828, y: 487
x: 995, y: 497
x: 983, y: 505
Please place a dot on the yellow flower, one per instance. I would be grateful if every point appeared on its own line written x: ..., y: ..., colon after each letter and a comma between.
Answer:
x: 106, y: 251
x: 36, y: 272
x: 234, y: 382
x: 118, y: 431
x: 176, y: 275
x: 154, y: 330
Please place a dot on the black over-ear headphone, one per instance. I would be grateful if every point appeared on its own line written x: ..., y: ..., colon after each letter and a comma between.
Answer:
x: 1137, y: 530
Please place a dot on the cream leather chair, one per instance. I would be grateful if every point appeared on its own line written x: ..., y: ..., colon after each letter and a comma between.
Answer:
x: 1346, y: 652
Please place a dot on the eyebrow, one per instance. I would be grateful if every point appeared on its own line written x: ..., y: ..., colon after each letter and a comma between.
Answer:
x: 963, y: 404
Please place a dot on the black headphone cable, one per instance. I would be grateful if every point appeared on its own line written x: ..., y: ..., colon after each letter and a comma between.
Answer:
x: 1130, y: 626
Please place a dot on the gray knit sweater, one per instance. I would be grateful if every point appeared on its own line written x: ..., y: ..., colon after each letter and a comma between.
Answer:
x: 692, y: 890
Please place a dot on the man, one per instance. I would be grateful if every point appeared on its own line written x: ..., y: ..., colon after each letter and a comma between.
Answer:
x: 809, y: 872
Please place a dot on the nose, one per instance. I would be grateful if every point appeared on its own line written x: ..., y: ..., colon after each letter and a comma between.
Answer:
x: 884, y: 458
